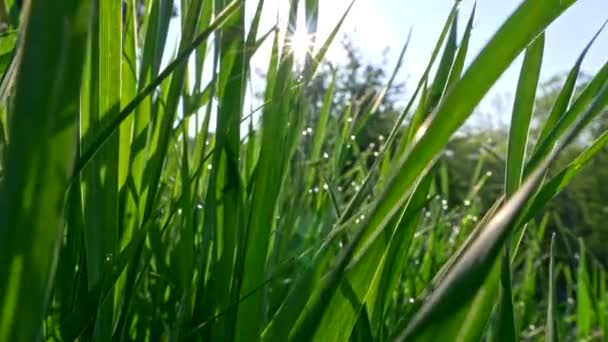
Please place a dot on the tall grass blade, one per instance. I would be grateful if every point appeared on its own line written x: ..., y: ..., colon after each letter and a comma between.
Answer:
x: 552, y: 332
x: 566, y: 94
x: 516, y: 155
x: 180, y: 59
x: 31, y: 207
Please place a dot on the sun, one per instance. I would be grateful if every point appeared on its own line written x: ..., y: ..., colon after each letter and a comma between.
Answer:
x: 300, y: 42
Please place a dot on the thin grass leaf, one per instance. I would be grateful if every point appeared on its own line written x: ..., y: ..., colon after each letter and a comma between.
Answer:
x: 551, y: 330
x: 179, y: 60
x: 459, y: 60
x: 566, y: 94
x: 32, y: 198
x: 584, y: 307
x: 516, y: 155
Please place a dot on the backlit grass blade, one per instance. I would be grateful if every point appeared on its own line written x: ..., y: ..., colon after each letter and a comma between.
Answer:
x: 584, y: 307
x: 456, y: 71
x: 127, y: 208
x: 397, y: 251
x: 566, y: 94
x: 319, y: 57
x: 225, y: 182
x: 155, y: 31
x: 559, y: 182
x: 83, y: 315
x: 39, y: 162
x: 202, y: 50
x: 361, y: 123
x: 179, y: 60
x: 423, y: 82
x: 445, y: 65
x: 267, y: 186
x: 319, y: 133
x: 432, y: 95
x: 516, y: 155
x: 101, y: 101
x: 522, y: 114
x: 569, y: 118
x: 552, y: 332
x: 128, y: 87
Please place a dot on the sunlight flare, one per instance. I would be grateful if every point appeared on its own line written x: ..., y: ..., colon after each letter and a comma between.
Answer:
x: 300, y: 42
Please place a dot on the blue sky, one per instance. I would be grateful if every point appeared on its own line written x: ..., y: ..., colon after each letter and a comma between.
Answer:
x: 565, y: 38
x: 377, y: 24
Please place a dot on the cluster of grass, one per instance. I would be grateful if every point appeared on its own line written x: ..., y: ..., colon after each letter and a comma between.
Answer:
x: 118, y: 224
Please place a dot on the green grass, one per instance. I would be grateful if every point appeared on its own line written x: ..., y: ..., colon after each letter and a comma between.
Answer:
x: 118, y: 223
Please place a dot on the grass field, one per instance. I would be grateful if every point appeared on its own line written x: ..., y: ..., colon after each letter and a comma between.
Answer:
x: 118, y: 223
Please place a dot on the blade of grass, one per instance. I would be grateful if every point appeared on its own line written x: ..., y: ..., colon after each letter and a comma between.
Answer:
x: 225, y: 183
x: 584, y: 308
x: 566, y: 94
x: 516, y: 155
x: 101, y: 101
x: 551, y: 331
x: 32, y: 198
x: 180, y: 59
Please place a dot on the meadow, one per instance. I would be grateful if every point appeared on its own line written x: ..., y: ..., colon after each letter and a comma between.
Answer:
x: 124, y: 216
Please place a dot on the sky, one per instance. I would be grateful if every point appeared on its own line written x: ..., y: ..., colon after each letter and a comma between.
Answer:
x: 377, y: 24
